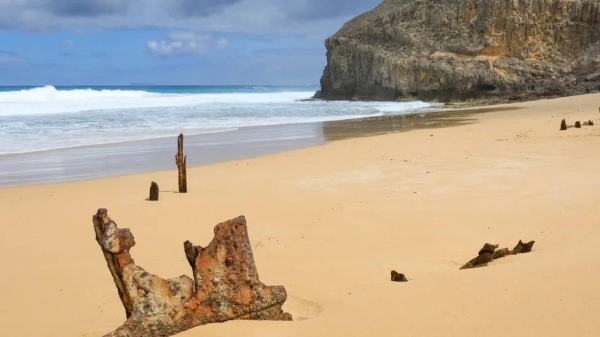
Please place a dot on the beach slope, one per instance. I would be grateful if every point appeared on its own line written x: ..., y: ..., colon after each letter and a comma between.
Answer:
x: 330, y: 222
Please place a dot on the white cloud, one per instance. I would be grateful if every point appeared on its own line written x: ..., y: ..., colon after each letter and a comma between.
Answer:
x: 223, y: 43
x: 280, y: 17
x: 180, y: 42
x: 164, y: 48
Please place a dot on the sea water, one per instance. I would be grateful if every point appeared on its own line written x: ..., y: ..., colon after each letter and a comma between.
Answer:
x: 46, y: 118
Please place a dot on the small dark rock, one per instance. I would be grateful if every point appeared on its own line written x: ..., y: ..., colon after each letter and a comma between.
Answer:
x: 398, y: 277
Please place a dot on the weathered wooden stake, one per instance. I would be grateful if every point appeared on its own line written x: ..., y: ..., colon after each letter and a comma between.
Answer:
x: 563, y: 125
x: 153, y: 191
x: 578, y: 124
x: 180, y: 160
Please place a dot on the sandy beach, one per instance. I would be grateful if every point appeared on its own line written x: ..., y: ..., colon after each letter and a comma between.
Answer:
x: 330, y: 222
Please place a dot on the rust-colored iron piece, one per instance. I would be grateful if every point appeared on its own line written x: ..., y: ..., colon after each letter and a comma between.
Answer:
x: 154, y: 191
x: 397, y: 277
x: 181, y: 162
x: 491, y: 252
x: 225, y: 285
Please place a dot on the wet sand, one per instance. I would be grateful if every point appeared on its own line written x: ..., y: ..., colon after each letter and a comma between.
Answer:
x: 373, y: 126
x: 329, y: 222
x: 89, y: 162
x: 100, y: 161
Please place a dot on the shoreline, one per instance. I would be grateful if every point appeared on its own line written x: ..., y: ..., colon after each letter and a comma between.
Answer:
x: 115, y: 159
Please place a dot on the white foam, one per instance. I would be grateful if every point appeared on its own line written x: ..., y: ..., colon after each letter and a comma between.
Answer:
x: 46, y: 118
x: 49, y: 100
x: 68, y: 142
x: 399, y: 107
x: 50, y: 93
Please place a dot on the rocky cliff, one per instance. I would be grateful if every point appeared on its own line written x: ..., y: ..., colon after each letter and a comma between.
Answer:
x: 454, y: 50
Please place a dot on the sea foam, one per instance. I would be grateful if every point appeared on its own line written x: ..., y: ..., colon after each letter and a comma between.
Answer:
x: 47, y: 118
x: 48, y: 100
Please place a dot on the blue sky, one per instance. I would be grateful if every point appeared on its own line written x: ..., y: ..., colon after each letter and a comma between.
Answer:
x: 205, y: 42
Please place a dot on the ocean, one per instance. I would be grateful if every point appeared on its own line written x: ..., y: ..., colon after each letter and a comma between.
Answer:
x: 34, y: 119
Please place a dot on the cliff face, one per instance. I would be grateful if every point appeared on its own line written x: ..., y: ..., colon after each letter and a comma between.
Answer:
x: 452, y: 50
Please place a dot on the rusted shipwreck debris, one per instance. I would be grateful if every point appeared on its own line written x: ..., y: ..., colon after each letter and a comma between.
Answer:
x: 398, y: 277
x: 181, y: 162
x: 491, y: 252
x: 225, y: 285
x: 154, y: 191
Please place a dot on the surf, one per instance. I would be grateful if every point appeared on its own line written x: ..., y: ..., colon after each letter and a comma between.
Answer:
x: 50, y: 100
x: 46, y: 118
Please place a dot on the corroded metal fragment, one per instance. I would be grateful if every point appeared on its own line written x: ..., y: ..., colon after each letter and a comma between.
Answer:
x: 181, y: 162
x: 522, y: 247
x: 225, y: 285
x: 398, y: 277
x: 491, y: 252
x: 154, y: 191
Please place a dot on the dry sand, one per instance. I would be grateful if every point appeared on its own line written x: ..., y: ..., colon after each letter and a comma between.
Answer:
x: 330, y: 222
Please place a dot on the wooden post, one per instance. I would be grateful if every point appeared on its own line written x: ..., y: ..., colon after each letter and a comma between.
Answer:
x: 153, y: 192
x: 180, y: 160
x: 563, y: 125
x: 578, y: 124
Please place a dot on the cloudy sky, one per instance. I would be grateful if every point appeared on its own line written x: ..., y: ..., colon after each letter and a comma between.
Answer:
x: 210, y: 42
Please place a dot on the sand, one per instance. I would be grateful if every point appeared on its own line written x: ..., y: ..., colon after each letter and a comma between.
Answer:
x: 329, y: 223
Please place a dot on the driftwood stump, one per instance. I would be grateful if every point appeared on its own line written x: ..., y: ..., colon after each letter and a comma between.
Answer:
x: 578, y: 124
x: 563, y: 125
x: 225, y: 285
x: 491, y: 252
x: 153, y: 192
x: 589, y: 123
x: 181, y: 160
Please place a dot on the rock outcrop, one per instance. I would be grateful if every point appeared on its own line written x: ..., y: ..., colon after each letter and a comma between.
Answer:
x: 225, y: 284
x: 454, y: 50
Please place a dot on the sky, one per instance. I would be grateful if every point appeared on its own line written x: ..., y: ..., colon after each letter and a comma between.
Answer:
x: 169, y: 42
